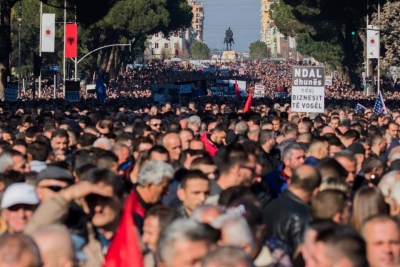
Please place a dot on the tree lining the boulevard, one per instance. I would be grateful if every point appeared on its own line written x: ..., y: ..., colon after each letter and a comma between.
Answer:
x: 325, y: 28
x: 100, y: 23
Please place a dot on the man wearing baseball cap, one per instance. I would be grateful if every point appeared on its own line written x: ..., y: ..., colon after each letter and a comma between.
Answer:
x: 18, y: 205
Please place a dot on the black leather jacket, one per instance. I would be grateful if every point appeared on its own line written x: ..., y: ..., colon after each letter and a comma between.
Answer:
x: 286, y: 219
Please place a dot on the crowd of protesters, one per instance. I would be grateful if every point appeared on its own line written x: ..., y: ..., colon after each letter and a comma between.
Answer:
x: 202, y: 184
x: 276, y: 76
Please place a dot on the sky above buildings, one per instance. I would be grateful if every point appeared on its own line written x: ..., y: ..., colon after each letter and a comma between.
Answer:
x: 242, y: 16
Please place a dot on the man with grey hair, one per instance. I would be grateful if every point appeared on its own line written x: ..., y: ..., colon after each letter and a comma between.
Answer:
x: 394, y: 200
x: 153, y: 180
x: 6, y: 161
x: 194, y: 123
x: 13, y: 160
x: 183, y: 243
x: 387, y: 182
x: 55, y: 245
x: 241, y: 129
x: 103, y: 143
x: 293, y: 156
x: 227, y: 256
x: 289, y: 132
x: 206, y: 213
x: 235, y: 232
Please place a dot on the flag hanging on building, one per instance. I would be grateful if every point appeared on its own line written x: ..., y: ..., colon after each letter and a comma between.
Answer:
x: 372, y: 41
x: 379, y: 106
x: 100, y: 89
x: 48, y: 32
x: 71, y: 41
x: 359, y: 107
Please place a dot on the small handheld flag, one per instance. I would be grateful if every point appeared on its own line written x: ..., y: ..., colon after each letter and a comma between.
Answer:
x: 379, y: 106
x: 100, y: 89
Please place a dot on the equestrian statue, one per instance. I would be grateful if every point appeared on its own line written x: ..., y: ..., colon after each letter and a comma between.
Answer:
x: 229, y: 39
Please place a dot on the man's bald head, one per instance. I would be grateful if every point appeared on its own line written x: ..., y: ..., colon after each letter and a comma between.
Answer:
x: 18, y: 250
x: 327, y: 129
x: 172, y: 142
x: 55, y: 244
x: 254, y: 131
x: 305, y: 178
x: 196, y: 145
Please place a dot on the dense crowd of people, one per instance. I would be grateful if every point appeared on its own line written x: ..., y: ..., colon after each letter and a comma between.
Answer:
x: 202, y: 184
x: 137, y: 83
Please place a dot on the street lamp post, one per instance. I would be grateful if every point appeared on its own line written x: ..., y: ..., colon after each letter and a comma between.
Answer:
x: 19, y: 46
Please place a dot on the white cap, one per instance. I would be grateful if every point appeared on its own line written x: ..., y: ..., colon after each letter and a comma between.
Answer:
x: 19, y: 193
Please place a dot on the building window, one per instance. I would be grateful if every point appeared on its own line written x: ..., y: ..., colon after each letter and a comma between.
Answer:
x: 197, y: 15
x: 156, y: 35
x: 197, y: 20
x: 197, y: 26
x: 166, y: 45
x: 176, y: 45
x: 156, y: 45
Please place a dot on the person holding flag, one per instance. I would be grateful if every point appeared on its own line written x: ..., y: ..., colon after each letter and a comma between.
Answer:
x: 380, y: 106
x: 249, y: 101
x: 237, y: 90
x: 100, y: 89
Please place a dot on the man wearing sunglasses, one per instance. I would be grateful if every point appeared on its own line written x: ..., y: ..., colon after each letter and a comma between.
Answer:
x: 52, y: 180
x: 155, y: 123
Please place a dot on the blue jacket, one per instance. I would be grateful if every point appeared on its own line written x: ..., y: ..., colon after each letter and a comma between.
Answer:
x: 276, y: 182
x: 312, y: 161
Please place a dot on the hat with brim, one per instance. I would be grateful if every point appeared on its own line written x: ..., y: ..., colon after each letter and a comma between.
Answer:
x: 19, y: 193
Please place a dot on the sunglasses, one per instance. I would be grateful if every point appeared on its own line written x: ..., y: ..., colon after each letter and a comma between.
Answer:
x: 54, y: 188
x: 157, y: 124
x: 253, y: 170
x: 94, y: 198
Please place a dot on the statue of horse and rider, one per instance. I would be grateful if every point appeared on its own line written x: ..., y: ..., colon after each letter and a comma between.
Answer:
x: 229, y: 39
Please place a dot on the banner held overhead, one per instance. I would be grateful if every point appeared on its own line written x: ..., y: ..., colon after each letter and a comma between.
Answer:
x: 308, y: 89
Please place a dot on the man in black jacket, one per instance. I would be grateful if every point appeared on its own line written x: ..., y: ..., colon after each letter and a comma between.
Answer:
x: 288, y: 216
x: 269, y: 156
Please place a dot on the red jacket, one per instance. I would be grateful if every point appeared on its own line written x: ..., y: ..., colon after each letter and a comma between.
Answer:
x: 209, y: 146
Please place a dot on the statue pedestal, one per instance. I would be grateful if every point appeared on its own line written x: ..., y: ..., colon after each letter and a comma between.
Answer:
x: 228, y: 56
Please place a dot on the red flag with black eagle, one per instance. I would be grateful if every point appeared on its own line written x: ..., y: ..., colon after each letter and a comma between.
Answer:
x: 71, y: 41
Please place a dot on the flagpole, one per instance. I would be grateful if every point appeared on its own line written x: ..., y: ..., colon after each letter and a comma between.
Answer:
x: 65, y: 23
x: 19, y: 48
x: 40, y: 48
x: 379, y: 52
x: 367, y: 89
x: 76, y: 58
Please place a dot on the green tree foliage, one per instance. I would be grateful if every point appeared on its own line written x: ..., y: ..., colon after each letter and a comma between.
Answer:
x: 85, y: 10
x: 100, y: 23
x: 327, y: 22
x: 199, y: 50
x: 258, y: 50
